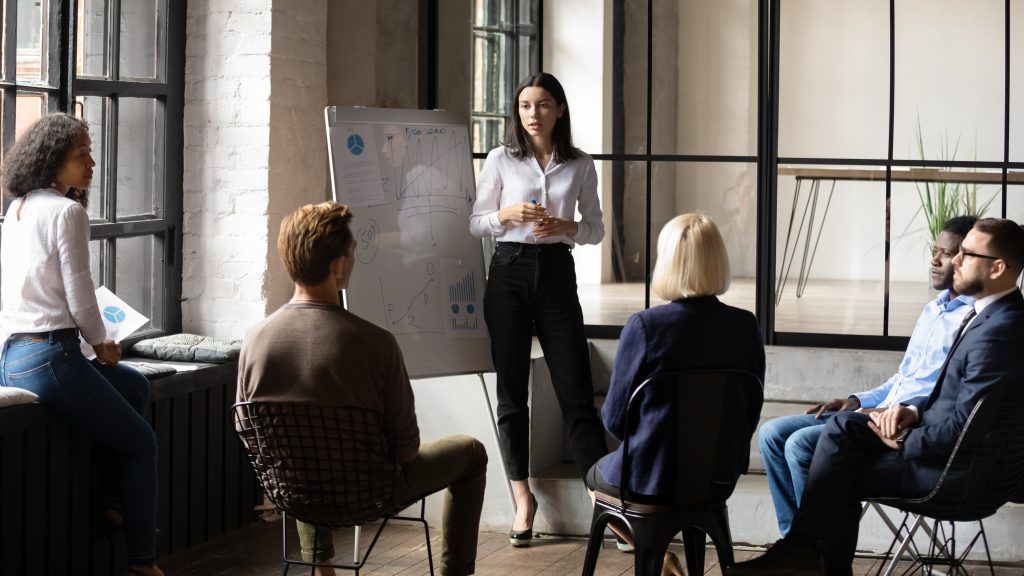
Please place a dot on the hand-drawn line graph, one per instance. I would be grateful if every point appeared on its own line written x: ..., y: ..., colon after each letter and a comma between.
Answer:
x: 412, y: 307
x: 427, y: 173
x: 428, y: 162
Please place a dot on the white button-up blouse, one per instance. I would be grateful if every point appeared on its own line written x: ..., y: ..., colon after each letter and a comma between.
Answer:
x: 47, y: 283
x: 562, y: 188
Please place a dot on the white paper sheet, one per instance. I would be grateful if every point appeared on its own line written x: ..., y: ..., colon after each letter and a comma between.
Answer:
x: 119, y: 318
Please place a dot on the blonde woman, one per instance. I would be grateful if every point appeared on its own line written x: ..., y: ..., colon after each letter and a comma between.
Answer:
x: 693, y: 330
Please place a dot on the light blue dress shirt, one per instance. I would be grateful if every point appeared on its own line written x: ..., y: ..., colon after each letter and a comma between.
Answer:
x: 929, y: 345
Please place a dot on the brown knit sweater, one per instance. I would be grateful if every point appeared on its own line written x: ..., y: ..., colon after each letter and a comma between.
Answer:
x: 324, y: 354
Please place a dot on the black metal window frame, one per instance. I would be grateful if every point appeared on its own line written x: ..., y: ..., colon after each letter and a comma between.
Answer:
x: 515, y: 33
x: 767, y: 161
x: 168, y: 89
x: 770, y: 17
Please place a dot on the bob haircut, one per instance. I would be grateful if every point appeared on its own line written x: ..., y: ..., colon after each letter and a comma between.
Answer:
x: 311, y: 238
x: 518, y: 141
x: 34, y: 160
x: 692, y: 260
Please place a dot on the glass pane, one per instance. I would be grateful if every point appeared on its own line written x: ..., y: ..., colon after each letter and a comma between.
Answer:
x: 31, y: 36
x: 830, y: 247
x: 91, y: 38
x: 527, y: 59
x: 950, y: 73
x: 910, y: 286
x: 488, y: 133
x: 632, y: 113
x: 28, y: 108
x: 135, y: 276
x: 834, y: 79
x: 726, y: 193
x: 705, y: 78
x: 491, y: 91
x: 1015, y: 207
x: 97, y: 255
x: 1016, y: 85
x: 138, y: 164
x: 611, y: 275
x: 142, y: 24
x: 490, y: 12
x: 528, y: 12
x: 94, y: 111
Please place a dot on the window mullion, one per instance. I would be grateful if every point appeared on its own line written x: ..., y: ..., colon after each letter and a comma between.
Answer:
x: 110, y: 158
x: 113, y: 39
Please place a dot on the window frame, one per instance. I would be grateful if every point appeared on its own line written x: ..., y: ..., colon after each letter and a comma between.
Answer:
x: 167, y: 91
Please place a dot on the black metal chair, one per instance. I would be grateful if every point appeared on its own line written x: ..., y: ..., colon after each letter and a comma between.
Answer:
x: 329, y: 466
x: 709, y: 409
x: 984, y: 471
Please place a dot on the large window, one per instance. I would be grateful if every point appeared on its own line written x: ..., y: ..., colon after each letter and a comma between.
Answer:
x: 506, y: 48
x: 818, y: 135
x: 119, y: 66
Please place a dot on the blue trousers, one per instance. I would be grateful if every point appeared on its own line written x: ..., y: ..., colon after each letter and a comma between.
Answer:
x: 107, y: 403
x: 787, y: 447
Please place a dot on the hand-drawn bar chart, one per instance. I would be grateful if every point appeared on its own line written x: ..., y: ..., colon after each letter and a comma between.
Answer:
x: 464, y: 312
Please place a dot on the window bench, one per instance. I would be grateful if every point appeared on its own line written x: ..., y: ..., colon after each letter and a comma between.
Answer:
x: 52, y: 487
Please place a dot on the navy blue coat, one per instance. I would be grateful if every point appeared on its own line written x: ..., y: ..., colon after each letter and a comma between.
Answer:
x: 691, y: 333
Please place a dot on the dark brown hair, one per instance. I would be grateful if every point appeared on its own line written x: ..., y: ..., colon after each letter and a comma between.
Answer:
x: 1006, y: 241
x: 311, y: 238
x: 34, y: 160
x: 518, y: 141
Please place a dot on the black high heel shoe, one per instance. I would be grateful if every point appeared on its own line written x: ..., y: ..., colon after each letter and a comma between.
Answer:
x: 523, y: 538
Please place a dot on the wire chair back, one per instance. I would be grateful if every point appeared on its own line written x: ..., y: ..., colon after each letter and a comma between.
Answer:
x: 331, y: 466
x: 986, y: 467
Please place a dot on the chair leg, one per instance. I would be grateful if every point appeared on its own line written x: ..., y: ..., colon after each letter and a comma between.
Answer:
x: 693, y: 546
x: 721, y: 535
x: 284, y: 543
x: 651, y: 541
x: 597, y: 525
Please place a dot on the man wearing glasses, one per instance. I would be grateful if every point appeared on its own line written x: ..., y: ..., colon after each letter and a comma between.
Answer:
x: 787, y: 443
x: 901, y: 452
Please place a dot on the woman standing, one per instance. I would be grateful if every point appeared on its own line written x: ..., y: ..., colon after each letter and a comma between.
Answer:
x: 48, y: 299
x: 527, y: 196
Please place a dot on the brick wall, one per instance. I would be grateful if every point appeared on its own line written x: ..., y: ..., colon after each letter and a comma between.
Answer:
x: 255, y: 89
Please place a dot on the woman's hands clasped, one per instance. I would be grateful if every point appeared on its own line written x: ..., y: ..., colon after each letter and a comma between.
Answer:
x: 108, y: 352
x: 544, y: 225
x: 522, y: 212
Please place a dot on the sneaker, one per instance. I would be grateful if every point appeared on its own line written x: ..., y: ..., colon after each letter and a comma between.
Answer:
x: 623, y: 546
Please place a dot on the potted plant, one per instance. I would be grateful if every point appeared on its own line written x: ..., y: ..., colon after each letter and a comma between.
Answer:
x: 940, y: 201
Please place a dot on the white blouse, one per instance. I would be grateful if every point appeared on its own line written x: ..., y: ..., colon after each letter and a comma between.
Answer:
x: 562, y: 188
x: 44, y: 268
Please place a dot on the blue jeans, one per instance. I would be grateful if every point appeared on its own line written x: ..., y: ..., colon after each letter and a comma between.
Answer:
x: 107, y: 403
x: 787, y: 447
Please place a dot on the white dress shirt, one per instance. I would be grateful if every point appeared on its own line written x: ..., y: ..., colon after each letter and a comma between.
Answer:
x: 44, y: 268
x: 562, y: 188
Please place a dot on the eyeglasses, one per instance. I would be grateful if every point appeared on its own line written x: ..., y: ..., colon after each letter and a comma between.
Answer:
x: 965, y: 254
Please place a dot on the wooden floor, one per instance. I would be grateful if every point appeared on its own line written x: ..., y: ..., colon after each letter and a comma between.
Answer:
x: 255, y: 551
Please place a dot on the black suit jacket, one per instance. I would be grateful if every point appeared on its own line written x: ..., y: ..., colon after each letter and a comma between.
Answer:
x: 986, y: 360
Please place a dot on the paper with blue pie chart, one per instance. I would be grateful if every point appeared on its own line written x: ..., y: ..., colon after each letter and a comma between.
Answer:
x: 358, y: 165
x: 464, y: 291
x: 119, y: 318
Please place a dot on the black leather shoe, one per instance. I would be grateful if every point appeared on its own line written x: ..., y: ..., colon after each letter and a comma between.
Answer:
x: 523, y: 538
x: 785, y: 558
